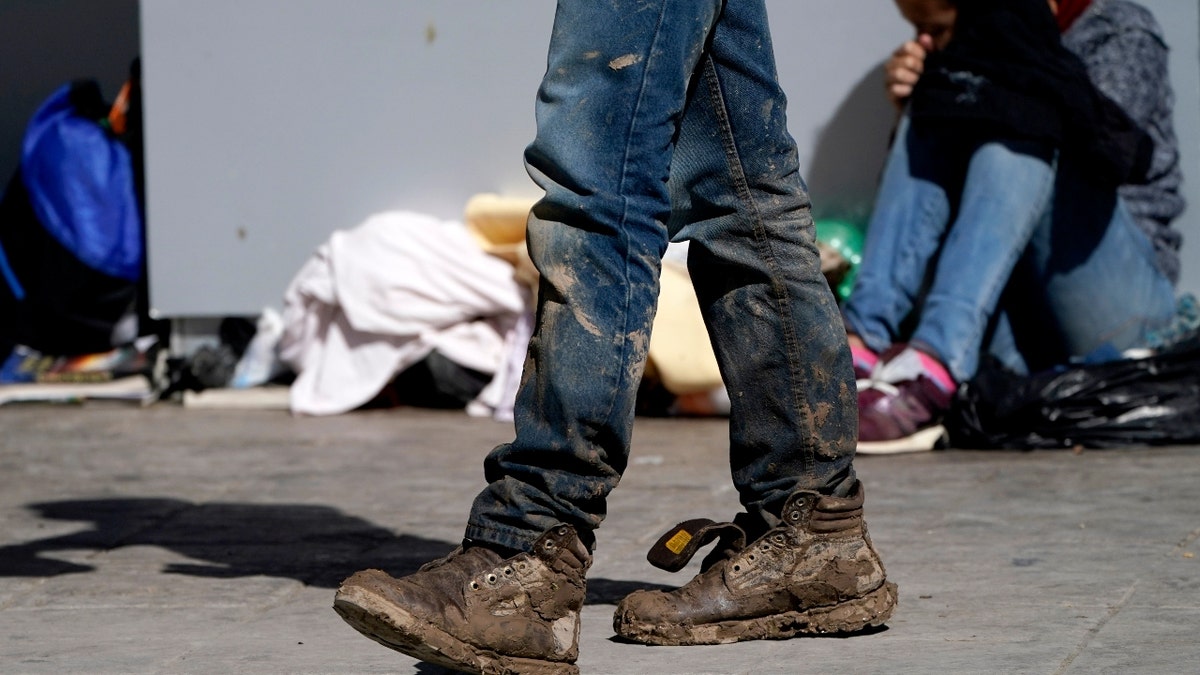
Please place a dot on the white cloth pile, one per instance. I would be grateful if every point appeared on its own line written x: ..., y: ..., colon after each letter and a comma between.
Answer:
x: 376, y: 299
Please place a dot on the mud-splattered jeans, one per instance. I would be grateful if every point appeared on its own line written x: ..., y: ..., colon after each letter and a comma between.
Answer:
x: 659, y: 120
x: 1042, y: 269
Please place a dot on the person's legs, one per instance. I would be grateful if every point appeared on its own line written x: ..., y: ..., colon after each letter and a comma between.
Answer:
x: 1006, y: 192
x: 774, y: 327
x: 1088, y: 287
x: 917, y: 197
x: 620, y: 76
x: 740, y: 200
x: 607, y: 112
x: 1005, y: 195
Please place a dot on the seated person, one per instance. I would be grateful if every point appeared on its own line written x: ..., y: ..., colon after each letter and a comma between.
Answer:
x: 1025, y: 208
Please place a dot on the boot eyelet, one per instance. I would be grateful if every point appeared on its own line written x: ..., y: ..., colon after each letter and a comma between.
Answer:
x: 562, y: 531
x: 737, y: 568
x: 474, y: 585
x: 549, y: 546
x: 779, y: 538
x: 491, y: 578
x: 750, y: 557
x: 766, y: 547
x: 508, y: 571
x: 794, y: 515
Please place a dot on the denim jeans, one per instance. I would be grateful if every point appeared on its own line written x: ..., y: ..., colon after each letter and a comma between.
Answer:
x: 999, y: 247
x: 661, y: 120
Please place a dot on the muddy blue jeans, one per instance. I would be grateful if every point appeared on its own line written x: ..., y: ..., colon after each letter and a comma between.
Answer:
x: 661, y: 120
x: 999, y: 248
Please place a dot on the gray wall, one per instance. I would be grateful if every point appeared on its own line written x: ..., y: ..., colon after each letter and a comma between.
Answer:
x: 270, y: 123
x: 47, y: 43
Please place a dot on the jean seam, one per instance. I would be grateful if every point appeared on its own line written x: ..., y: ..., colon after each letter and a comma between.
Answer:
x: 742, y: 188
x: 622, y: 230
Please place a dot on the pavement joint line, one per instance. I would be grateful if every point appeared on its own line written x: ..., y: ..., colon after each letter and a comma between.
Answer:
x: 1187, y: 541
x: 1092, y: 632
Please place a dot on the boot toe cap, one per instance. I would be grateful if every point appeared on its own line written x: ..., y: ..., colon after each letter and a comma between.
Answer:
x: 648, y: 607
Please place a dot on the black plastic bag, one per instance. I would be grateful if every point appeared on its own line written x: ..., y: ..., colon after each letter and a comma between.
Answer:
x: 1148, y: 401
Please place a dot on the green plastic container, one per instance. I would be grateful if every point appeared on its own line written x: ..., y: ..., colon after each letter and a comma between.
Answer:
x: 846, y: 237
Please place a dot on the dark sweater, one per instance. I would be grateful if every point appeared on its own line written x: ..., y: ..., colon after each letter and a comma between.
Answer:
x: 1122, y: 47
x: 1006, y: 74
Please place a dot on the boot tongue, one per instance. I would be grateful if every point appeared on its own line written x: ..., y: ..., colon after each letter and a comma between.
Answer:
x: 675, y: 549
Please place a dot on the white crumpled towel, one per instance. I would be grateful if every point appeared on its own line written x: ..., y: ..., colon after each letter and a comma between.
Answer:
x: 378, y: 298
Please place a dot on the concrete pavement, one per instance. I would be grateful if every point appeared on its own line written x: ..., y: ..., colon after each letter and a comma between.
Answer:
x: 171, y: 540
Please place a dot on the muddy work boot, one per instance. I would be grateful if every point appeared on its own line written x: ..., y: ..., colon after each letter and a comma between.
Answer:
x: 476, y: 612
x: 814, y: 573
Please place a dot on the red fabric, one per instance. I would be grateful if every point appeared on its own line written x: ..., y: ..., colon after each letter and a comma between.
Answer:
x: 1068, y: 11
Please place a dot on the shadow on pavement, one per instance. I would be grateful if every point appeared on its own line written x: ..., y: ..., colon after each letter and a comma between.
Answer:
x: 313, y: 544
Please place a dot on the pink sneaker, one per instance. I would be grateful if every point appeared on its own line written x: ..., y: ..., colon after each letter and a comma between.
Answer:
x: 903, y: 416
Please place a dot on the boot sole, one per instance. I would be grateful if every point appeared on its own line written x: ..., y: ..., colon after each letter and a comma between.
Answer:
x: 396, y: 629
x: 852, y: 616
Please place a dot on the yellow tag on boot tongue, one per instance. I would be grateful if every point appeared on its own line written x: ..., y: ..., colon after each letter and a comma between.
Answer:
x: 677, y: 543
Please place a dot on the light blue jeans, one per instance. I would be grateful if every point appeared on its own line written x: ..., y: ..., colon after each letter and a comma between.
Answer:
x: 999, y: 248
x: 661, y: 119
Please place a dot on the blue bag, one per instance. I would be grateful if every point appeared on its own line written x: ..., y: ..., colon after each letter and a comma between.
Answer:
x: 71, y: 236
x: 80, y: 183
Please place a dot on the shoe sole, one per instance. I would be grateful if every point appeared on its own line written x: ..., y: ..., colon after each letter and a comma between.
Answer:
x: 924, y: 440
x: 852, y: 616
x: 396, y: 629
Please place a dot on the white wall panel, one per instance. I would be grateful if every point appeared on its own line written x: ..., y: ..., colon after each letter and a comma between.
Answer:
x: 271, y: 123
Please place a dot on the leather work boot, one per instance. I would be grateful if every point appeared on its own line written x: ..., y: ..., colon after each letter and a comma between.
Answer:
x: 476, y: 612
x: 814, y: 573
